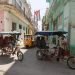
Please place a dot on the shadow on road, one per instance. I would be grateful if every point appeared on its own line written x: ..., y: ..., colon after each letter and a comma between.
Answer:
x: 31, y: 66
x: 5, y: 60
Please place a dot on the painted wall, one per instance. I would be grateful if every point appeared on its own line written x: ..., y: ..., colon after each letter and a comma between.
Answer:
x: 69, y: 17
x: 13, y: 18
x: 7, y: 22
x: 1, y: 20
x: 72, y: 18
x: 10, y: 1
x: 72, y: 12
x: 66, y: 16
x: 72, y: 41
x: 9, y: 18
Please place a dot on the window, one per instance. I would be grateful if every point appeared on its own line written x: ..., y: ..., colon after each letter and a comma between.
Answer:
x: 20, y: 3
x: 24, y: 11
x: 20, y: 26
x: 60, y: 19
x: 26, y: 30
x: 23, y: 28
x: 13, y: 26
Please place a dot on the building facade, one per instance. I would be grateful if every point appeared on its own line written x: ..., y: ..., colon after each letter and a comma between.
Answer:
x: 15, y: 15
x: 61, y: 16
x: 45, y: 23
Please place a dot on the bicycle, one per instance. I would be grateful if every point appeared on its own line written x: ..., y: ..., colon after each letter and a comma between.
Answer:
x: 7, y: 48
x: 46, y: 53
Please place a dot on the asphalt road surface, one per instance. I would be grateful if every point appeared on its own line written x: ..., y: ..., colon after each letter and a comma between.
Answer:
x: 31, y: 66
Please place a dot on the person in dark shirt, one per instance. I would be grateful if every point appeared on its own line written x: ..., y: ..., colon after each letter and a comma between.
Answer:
x: 38, y: 42
x: 1, y: 41
x: 43, y: 43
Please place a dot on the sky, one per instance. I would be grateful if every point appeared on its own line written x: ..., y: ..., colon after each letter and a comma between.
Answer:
x: 39, y: 5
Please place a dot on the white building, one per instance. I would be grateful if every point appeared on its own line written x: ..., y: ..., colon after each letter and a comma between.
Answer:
x: 15, y: 15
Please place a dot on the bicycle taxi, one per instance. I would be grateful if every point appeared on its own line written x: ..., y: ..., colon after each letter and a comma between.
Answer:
x: 9, y: 44
x: 46, y: 52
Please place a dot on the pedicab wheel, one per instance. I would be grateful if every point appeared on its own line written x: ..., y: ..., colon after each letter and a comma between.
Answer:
x: 20, y: 56
x: 71, y: 62
x: 39, y: 55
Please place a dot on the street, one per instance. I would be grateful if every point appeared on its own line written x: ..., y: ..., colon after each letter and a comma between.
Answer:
x: 31, y: 66
x: 48, y: 24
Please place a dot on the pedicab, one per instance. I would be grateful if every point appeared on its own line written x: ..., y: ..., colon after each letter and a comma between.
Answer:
x: 46, y: 52
x: 9, y: 44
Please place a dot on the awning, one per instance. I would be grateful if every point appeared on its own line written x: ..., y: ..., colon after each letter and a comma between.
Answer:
x: 11, y: 33
x: 50, y: 33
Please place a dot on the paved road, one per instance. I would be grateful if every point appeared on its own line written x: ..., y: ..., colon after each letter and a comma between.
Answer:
x: 32, y: 66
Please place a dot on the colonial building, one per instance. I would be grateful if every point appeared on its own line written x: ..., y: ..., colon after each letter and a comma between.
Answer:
x: 15, y: 15
x: 61, y: 16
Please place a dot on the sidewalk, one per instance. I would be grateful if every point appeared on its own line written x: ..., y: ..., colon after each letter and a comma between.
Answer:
x: 2, y: 72
x: 7, y: 62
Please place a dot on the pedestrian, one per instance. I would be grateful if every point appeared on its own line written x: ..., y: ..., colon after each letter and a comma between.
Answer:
x: 60, y: 48
x: 64, y: 42
x: 38, y: 42
x: 1, y: 41
x: 43, y: 43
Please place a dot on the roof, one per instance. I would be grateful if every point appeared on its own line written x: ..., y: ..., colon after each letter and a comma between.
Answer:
x: 49, y: 33
x: 11, y: 33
